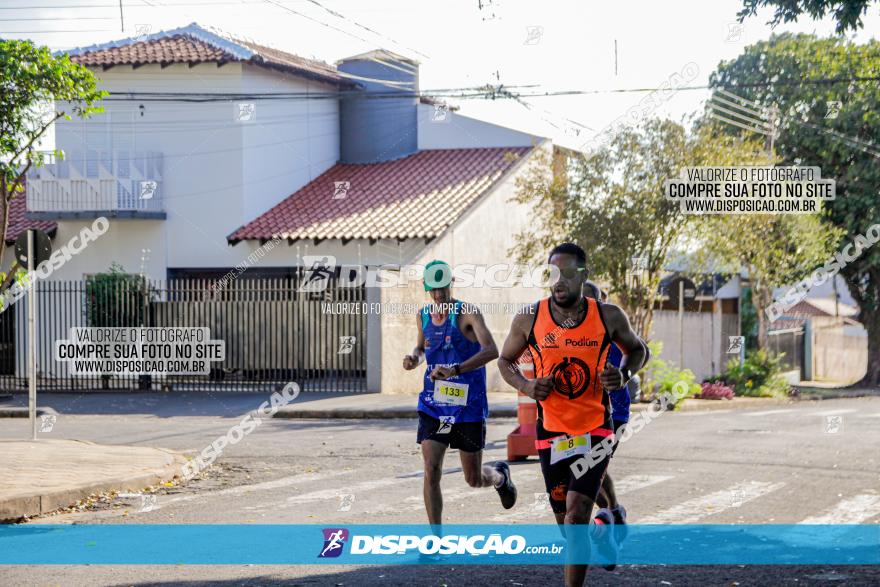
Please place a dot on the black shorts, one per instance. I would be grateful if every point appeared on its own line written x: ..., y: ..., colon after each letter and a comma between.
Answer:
x: 560, y: 478
x: 465, y: 436
x: 618, y: 431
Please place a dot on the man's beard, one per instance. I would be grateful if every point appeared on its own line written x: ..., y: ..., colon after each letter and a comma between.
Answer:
x: 569, y: 301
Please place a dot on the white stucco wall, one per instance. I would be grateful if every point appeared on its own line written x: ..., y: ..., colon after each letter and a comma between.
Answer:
x: 483, y: 236
x: 456, y: 131
x: 218, y: 173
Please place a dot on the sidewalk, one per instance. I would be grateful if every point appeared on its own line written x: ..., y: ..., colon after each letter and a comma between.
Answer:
x: 501, y: 405
x: 44, y: 475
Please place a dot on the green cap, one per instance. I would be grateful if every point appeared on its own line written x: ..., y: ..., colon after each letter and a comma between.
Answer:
x: 438, y: 274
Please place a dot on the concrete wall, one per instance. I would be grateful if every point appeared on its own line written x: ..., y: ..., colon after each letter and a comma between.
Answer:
x: 840, y: 351
x: 705, y: 339
x: 482, y: 236
x: 456, y: 131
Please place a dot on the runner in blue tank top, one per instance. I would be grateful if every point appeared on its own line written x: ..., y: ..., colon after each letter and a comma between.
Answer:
x: 455, y: 343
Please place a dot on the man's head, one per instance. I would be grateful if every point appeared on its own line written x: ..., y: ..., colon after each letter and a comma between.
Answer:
x: 438, y: 279
x: 571, y: 261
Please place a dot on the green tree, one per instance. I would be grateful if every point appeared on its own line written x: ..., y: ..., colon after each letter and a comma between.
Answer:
x: 613, y: 204
x: 36, y: 89
x: 773, y: 248
x: 847, y: 13
x: 793, y: 72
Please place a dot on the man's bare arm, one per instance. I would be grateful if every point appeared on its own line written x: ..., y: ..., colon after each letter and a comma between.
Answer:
x: 414, y: 359
x: 488, y: 350
x: 514, y: 345
x: 632, y: 347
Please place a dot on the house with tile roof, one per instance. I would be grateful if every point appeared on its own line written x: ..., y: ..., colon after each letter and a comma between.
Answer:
x: 211, y: 145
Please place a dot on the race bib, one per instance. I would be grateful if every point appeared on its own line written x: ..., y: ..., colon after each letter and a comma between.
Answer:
x: 446, y: 423
x: 449, y: 393
x: 569, y: 446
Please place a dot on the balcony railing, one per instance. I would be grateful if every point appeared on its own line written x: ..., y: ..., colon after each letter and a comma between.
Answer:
x: 123, y: 184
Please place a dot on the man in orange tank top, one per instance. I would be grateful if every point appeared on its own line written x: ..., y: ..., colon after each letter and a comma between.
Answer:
x: 569, y: 336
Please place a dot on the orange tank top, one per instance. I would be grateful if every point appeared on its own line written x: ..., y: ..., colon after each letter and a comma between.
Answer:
x: 573, y: 357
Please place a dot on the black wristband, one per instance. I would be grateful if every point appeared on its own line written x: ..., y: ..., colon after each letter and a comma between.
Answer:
x: 457, y: 368
x: 626, y: 373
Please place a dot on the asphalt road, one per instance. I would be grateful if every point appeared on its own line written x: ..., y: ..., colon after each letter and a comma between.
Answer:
x: 815, y: 462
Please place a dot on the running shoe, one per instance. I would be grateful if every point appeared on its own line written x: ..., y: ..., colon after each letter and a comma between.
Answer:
x: 620, y: 527
x: 507, y: 490
x: 606, y: 545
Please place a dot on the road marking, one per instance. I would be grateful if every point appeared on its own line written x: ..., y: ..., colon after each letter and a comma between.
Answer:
x: 770, y: 412
x: 837, y: 412
x: 692, y: 510
x: 705, y: 412
x: 541, y: 509
x: 636, y: 482
x: 853, y: 510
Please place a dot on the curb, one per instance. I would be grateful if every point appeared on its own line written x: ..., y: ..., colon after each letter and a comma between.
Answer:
x: 23, y: 412
x: 370, y: 414
x: 14, y: 508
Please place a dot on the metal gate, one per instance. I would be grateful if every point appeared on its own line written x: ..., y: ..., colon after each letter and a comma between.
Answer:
x: 789, y: 341
x: 274, y: 332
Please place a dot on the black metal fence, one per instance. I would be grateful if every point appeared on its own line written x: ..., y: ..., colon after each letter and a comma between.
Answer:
x: 789, y: 341
x: 274, y: 332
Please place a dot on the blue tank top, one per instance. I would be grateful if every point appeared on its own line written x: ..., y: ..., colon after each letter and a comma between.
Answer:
x: 445, y: 344
x: 620, y: 401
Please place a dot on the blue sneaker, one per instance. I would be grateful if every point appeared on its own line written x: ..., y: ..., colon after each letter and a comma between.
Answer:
x: 606, y: 545
x: 620, y: 527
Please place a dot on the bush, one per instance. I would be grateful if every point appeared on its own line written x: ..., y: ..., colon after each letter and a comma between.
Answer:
x: 715, y: 391
x: 661, y: 376
x: 759, y: 376
x: 117, y: 298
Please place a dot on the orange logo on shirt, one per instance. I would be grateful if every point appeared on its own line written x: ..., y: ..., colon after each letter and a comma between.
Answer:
x: 559, y: 492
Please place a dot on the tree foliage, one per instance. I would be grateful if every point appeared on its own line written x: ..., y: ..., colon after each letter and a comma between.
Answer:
x: 36, y: 89
x: 846, y: 145
x: 613, y: 204
x: 847, y: 13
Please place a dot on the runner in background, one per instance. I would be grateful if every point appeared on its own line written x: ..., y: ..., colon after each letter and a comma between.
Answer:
x: 453, y: 338
x: 611, y: 511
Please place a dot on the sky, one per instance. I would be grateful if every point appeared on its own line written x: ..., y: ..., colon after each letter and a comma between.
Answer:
x: 551, y: 45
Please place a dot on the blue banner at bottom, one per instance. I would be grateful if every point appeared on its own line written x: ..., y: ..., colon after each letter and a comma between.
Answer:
x: 203, y: 544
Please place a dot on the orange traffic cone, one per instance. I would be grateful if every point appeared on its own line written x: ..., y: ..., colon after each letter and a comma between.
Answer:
x: 521, y: 442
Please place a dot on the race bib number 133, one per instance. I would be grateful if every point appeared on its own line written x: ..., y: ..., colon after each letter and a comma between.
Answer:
x: 448, y: 392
